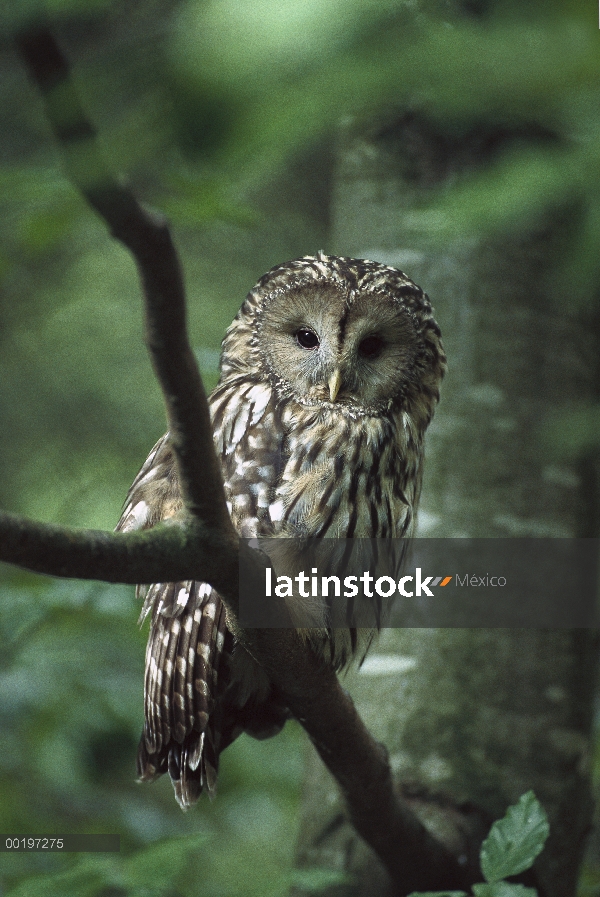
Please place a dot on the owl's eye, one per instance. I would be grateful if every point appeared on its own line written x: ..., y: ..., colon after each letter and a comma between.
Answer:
x: 306, y: 338
x: 370, y: 347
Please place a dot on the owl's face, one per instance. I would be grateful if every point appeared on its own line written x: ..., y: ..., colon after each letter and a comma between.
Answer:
x: 352, y: 350
x: 348, y: 335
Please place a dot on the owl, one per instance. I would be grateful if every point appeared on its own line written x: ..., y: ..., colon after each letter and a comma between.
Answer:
x: 330, y: 375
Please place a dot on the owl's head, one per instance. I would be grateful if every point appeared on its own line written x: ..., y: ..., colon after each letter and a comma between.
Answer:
x: 348, y: 334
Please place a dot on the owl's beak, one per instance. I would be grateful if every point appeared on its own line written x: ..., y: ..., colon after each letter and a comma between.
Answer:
x: 335, y: 381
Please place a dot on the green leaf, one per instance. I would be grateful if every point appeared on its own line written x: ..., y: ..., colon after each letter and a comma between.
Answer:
x: 503, y: 889
x: 514, y: 841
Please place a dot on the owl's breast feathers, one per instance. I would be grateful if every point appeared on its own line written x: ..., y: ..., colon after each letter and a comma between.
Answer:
x: 295, y: 470
x: 346, y: 478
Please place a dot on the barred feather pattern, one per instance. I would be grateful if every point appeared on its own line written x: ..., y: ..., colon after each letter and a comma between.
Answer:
x: 297, y: 461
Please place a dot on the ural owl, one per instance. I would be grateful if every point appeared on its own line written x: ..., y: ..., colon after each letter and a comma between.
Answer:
x: 330, y: 374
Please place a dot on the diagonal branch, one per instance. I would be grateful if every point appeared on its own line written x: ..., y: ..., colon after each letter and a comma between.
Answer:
x: 203, y: 544
x: 147, y: 237
x: 414, y: 859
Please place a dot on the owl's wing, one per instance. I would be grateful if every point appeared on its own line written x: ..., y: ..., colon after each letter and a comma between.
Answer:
x: 250, y: 441
x: 154, y: 494
x: 186, y: 662
x: 185, y: 651
x: 190, y: 649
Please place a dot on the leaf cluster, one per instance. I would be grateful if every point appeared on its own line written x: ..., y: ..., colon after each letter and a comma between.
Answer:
x: 510, y: 848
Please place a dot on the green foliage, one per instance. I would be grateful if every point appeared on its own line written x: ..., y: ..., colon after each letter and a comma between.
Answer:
x: 515, y: 841
x: 70, y: 716
x: 175, y: 866
x: 510, y: 848
x: 207, y: 105
x: 503, y: 889
x: 154, y: 872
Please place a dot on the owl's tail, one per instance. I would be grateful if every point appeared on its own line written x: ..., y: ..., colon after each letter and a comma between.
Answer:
x: 192, y: 766
x: 187, y: 669
x: 194, y: 706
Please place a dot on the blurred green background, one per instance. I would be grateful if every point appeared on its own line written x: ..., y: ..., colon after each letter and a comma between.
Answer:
x: 224, y: 114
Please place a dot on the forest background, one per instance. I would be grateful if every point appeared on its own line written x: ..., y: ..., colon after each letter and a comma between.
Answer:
x: 228, y: 117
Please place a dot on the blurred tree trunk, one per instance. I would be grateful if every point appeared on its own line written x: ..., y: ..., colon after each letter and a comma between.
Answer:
x: 479, y: 715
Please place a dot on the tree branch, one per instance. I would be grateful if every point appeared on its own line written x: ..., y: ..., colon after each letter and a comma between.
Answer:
x: 182, y: 549
x: 414, y: 859
x: 147, y: 237
x: 203, y: 544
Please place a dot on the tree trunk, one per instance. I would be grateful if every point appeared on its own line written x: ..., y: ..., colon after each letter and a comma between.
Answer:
x: 478, y: 716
